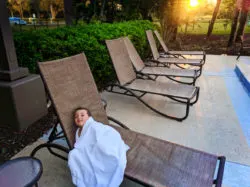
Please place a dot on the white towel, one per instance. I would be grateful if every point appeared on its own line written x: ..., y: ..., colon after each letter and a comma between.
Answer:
x: 99, y: 156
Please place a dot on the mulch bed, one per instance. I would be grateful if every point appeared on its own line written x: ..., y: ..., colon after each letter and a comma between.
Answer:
x: 216, y: 44
x: 13, y: 142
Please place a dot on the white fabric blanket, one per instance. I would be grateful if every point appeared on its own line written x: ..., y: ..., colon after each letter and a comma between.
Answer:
x: 99, y: 156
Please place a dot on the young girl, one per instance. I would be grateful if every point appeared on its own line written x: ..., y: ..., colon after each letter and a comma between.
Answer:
x: 99, y: 155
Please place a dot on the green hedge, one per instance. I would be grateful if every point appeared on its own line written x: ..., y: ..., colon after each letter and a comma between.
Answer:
x: 49, y: 44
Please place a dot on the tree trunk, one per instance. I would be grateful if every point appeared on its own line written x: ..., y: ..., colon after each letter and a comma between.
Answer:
x: 111, y: 12
x: 94, y: 7
x: 186, y: 25
x: 165, y: 16
x: 36, y: 8
x: 174, y: 34
x: 21, y: 9
x: 12, y: 14
x: 240, y: 31
x: 68, y: 13
x: 233, y: 28
x: 211, y: 25
x: 53, y: 11
x: 176, y: 7
x: 102, y: 8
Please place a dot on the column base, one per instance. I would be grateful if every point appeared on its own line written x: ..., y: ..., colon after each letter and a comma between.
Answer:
x: 13, y: 74
x: 23, y: 102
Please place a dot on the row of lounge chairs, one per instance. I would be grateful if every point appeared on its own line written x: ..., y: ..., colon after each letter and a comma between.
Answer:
x: 142, y: 68
x: 136, y: 78
x: 150, y: 161
x: 131, y: 84
x: 164, y: 57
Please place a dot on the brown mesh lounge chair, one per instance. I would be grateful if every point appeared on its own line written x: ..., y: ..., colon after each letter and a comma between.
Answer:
x: 176, y: 53
x: 157, y: 58
x: 149, y: 71
x: 128, y: 81
x: 150, y: 161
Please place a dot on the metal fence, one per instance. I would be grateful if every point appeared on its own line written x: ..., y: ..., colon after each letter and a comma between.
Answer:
x: 37, y: 24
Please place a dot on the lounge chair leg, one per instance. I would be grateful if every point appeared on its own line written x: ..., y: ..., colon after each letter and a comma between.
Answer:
x: 138, y: 181
x: 155, y: 110
x: 200, y: 71
x: 118, y: 122
x: 49, y: 146
x: 158, y: 112
x: 187, y: 110
x: 204, y: 56
x: 194, y: 80
x: 195, y: 76
x: 197, y: 97
x: 218, y: 180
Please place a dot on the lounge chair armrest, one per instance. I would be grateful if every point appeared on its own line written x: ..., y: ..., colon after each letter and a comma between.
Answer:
x: 118, y: 122
x: 218, y: 180
x: 204, y: 56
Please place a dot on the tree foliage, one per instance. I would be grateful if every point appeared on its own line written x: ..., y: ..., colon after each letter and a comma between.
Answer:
x: 226, y: 9
x: 52, y: 6
x: 18, y: 6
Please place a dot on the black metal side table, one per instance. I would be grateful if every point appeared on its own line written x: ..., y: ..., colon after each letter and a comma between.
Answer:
x: 20, y: 172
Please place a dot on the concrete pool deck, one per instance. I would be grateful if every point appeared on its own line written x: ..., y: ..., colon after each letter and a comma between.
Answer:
x: 219, y: 123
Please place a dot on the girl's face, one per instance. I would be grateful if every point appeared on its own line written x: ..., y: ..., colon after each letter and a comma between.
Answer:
x: 81, y: 116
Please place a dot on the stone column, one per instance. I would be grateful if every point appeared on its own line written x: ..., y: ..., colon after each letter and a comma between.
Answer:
x: 22, y: 96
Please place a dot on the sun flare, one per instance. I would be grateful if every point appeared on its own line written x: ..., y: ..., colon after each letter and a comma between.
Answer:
x: 194, y: 3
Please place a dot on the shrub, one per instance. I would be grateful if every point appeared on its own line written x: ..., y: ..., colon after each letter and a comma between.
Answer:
x: 50, y: 44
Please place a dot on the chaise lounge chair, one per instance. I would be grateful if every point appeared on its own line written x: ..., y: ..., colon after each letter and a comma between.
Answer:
x: 142, y: 69
x: 176, y: 61
x: 130, y: 84
x: 177, y: 53
x: 150, y: 161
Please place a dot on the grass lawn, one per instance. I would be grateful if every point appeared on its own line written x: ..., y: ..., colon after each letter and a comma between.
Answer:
x: 220, y: 28
x: 198, y: 28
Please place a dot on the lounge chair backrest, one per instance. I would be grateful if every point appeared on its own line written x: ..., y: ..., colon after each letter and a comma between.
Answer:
x: 70, y: 85
x: 152, y: 44
x: 133, y: 54
x: 163, y: 45
x: 120, y: 58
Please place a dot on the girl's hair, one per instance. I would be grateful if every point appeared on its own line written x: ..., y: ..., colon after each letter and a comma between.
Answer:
x: 82, y: 108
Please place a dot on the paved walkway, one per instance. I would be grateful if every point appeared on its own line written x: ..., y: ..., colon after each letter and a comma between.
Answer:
x: 219, y: 123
